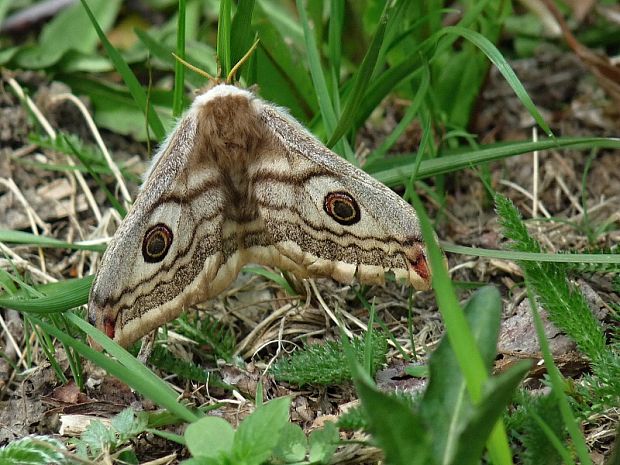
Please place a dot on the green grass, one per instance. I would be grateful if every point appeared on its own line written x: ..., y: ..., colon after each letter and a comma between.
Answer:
x: 333, y: 76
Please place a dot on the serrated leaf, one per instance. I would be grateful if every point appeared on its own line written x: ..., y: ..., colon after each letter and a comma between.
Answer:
x: 129, y: 424
x: 123, y: 421
x: 96, y: 436
x: 33, y: 450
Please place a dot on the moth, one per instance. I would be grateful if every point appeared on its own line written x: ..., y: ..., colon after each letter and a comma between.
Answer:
x: 240, y: 181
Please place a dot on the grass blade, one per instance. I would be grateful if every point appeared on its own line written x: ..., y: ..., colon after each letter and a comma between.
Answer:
x: 502, y: 65
x: 461, y: 338
x: 21, y: 237
x: 557, y: 382
x: 316, y: 71
x: 241, y: 30
x: 361, y: 80
x: 275, y: 277
x: 223, y: 38
x: 179, y: 68
x: 127, y: 369
x: 320, y: 84
x: 533, y: 256
x: 56, y: 297
x: 449, y: 162
x: 129, y: 78
x: 402, y: 125
x: 334, y: 41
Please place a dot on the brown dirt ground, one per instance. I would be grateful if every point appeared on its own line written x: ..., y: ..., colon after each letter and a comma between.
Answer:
x: 571, y: 101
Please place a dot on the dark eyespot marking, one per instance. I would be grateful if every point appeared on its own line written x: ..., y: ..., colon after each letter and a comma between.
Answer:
x: 156, y: 243
x: 342, y: 207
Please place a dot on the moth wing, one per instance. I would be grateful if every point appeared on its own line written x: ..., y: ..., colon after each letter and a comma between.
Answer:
x: 329, y: 218
x: 132, y: 296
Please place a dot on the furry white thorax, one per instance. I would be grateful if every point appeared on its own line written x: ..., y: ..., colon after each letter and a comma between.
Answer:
x: 221, y: 90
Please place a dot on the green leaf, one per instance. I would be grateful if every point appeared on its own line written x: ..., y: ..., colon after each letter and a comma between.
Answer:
x: 417, y: 371
x: 470, y: 362
x: 7, y: 53
x: 200, y: 55
x: 78, y: 62
x: 259, y: 434
x: 125, y: 120
x: 323, y: 443
x: 223, y: 36
x: 413, y: 109
x: 456, y: 90
x: 279, y: 14
x: 128, y: 424
x: 242, y: 31
x: 7, y: 281
x: 115, y: 108
x: 582, y: 258
x: 320, y: 84
x: 69, y: 30
x: 126, y: 368
x: 128, y: 457
x: 316, y: 71
x: 398, y: 431
x: 33, y: 450
x: 479, y: 422
x: 179, y: 68
x: 123, y: 421
x: 567, y: 309
x: 209, y: 437
x: 293, y: 444
x: 290, y: 84
x: 4, y: 8
x: 502, y: 65
x: 446, y: 402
